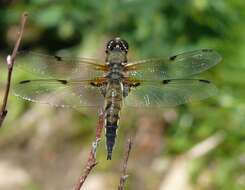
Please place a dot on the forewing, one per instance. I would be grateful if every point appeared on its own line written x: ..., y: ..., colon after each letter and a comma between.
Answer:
x: 59, y: 67
x: 62, y: 93
x: 169, y: 93
x: 178, y: 66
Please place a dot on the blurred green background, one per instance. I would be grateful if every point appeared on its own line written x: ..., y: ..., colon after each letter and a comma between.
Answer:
x: 200, y: 145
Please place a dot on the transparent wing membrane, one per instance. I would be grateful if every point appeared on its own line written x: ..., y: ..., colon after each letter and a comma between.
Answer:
x: 60, y: 92
x: 178, y: 66
x: 75, y: 82
x: 60, y: 67
x: 169, y: 93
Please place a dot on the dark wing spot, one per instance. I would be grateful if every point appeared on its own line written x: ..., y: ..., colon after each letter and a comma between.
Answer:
x: 93, y: 83
x: 207, y: 50
x: 136, y: 84
x: 24, y: 81
x: 108, y: 105
x: 206, y: 81
x: 166, y: 81
x: 63, y: 81
x: 58, y: 58
x: 97, y: 84
x: 173, y: 57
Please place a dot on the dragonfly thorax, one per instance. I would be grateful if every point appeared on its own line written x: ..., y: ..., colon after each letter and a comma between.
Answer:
x: 116, y: 71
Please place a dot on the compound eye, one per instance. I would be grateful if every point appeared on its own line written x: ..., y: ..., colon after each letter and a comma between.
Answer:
x: 110, y: 45
x: 125, y: 45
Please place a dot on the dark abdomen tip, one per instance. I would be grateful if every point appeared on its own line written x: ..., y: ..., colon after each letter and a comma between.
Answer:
x: 111, y: 133
x: 109, y: 155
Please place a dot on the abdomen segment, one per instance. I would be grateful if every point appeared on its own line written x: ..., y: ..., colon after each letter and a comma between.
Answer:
x: 112, y: 109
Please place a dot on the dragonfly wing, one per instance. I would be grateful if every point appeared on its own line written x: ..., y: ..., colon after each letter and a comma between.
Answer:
x: 60, y: 92
x: 59, y: 67
x: 178, y: 66
x: 169, y: 93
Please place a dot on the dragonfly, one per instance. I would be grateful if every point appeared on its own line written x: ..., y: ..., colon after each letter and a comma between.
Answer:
x: 116, y: 82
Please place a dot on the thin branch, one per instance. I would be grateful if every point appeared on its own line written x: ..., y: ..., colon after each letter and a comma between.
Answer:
x: 124, y: 175
x: 91, y: 163
x: 10, y: 62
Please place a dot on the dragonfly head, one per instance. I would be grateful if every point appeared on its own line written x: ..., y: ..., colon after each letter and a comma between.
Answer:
x: 116, y: 50
x: 117, y: 44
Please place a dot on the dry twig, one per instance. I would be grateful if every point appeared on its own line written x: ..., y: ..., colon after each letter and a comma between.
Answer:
x: 92, y: 155
x: 124, y: 175
x: 10, y: 62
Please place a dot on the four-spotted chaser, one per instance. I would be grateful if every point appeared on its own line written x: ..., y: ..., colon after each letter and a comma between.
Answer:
x: 116, y: 82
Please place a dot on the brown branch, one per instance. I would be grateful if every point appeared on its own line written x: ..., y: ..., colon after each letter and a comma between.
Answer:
x: 10, y: 62
x: 124, y: 175
x: 91, y: 163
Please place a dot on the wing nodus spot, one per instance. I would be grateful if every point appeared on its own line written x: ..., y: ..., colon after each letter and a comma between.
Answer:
x: 136, y: 84
x: 24, y: 81
x: 58, y: 58
x: 166, y: 81
x: 95, y: 84
x: 62, y: 81
x: 207, y: 50
x: 173, y: 57
x: 205, y: 81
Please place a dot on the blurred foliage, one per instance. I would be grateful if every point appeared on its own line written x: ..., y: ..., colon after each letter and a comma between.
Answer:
x: 153, y: 29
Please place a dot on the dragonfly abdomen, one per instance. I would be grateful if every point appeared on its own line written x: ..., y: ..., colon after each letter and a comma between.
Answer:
x: 113, y: 106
